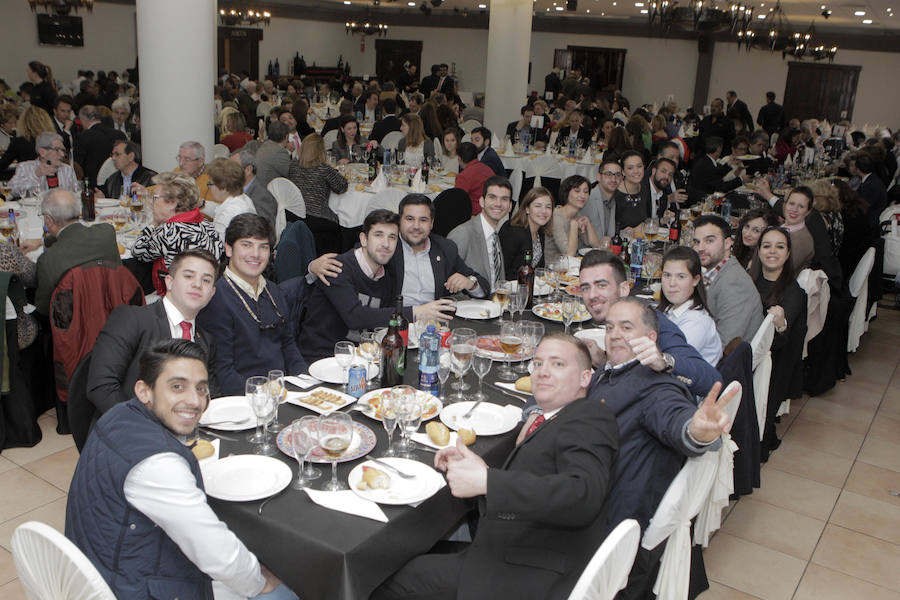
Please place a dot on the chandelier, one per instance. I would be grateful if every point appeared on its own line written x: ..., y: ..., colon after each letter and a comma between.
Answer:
x: 776, y: 34
x: 233, y: 18
x: 699, y: 16
x: 365, y: 29
x: 61, y: 7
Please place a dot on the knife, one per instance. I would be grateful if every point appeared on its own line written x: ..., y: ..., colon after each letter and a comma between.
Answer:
x: 507, y: 392
x: 218, y: 435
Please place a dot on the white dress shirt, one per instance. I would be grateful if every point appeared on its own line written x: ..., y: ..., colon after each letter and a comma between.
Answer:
x: 163, y: 489
x: 175, y: 318
x: 232, y: 207
x: 699, y: 330
x: 489, y: 232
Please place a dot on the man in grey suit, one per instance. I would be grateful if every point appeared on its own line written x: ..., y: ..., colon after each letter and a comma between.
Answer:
x: 272, y: 159
x: 265, y: 204
x: 600, y: 208
x: 477, y: 240
x: 732, y: 297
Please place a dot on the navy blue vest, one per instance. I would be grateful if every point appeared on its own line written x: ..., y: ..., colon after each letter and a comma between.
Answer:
x: 137, y: 558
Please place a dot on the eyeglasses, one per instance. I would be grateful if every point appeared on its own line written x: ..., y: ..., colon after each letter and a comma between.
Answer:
x: 181, y: 159
x: 156, y: 197
x: 57, y: 149
x: 612, y: 174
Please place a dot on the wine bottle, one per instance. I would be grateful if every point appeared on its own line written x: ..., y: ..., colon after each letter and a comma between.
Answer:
x: 675, y: 227
x: 615, y: 245
x: 393, y: 356
x: 526, y: 276
x: 88, y: 210
x: 402, y: 323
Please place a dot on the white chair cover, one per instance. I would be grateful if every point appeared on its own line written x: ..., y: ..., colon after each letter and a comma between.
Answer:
x: 607, y: 572
x: 438, y: 148
x: 263, y: 109
x: 391, y: 140
x: 468, y: 98
x: 515, y: 179
x: 710, y: 518
x: 288, y: 197
x: 859, y: 289
x: 554, y: 135
x: 818, y: 293
x: 51, y: 567
x: 106, y: 169
x: 672, y: 521
x: 221, y: 151
x: 466, y: 138
x: 892, y: 242
x: 469, y: 125
x: 330, y: 138
x: 545, y: 166
x: 762, y: 368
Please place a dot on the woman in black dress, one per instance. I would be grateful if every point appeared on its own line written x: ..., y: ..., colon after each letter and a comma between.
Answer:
x: 44, y: 92
x: 526, y: 232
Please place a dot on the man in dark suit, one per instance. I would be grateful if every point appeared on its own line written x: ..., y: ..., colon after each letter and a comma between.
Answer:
x: 127, y: 159
x: 575, y: 128
x: 62, y: 121
x: 871, y: 189
x: 389, y: 121
x: 445, y: 83
x: 708, y: 176
x: 542, y: 511
x: 344, y: 108
x: 74, y: 244
x: 429, y: 82
x: 737, y: 110
x: 481, y: 137
x: 716, y: 124
x: 771, y: 115
x: 368, y: 106
x: 265, y: 204
x: 95, y: 143
x: 131, y: 330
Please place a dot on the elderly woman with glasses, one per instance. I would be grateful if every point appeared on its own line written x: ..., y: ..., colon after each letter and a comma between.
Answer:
x: 47, y: 171
x: 177, y: 226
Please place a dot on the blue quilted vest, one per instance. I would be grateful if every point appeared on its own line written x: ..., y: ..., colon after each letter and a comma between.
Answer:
x: 137, y: 558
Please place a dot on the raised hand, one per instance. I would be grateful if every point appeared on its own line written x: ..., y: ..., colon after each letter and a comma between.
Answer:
x: 710, y: 421
x: 466, y: 472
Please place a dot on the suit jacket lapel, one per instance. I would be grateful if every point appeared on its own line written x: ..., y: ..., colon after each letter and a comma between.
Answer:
x: 438, y: 268
x: 481, y: 244
x: 162, y: 320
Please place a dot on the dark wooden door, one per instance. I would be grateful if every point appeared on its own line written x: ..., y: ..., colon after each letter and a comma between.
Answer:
x: 239, y: 50
x: 390, y: 55
x: 815, y: 91
x: 604, y: 66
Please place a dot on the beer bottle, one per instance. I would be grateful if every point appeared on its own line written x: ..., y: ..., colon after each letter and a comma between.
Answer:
x: 526, y: 276
x: 393, y: 356
x: 88, y: 210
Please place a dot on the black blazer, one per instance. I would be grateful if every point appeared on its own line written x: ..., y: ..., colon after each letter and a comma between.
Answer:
x: 445, y: 261
x: 332, y: 123
x: 706, y: 178
x: 384, y: 127
x: 584, y: 136
x: 93, y: 146
x: 543, y: 516
x: 128, y: 333
x: 112, y: 188
x: 872, y: 190
x: 514, y: 243
x: 19, y: 149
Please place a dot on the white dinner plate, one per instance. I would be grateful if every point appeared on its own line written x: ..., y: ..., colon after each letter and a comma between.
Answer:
x: 32, y: 201
x: 598, y: 335
x: 329, y: 371
x: 106, y: 202
x: 477, y: 309
x: 229, y: 408
x: 552, y: 311
x: 244, y: 477
x: 320, y: 400
x: 488, y: 418
x: 372, y: 400
x: 426, y: 483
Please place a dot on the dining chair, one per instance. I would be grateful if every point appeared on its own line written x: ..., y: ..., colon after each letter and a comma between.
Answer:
x: 288, y: 197
x: 859, y: 289
x: 607, y: 572
x: 762, y: 368
x: 106, y: 169
x: 330, y: 137
x: 51, y: 567
x: 391, y: 140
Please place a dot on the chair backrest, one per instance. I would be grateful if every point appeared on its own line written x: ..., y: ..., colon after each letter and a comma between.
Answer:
x: 762, y: 339
x: 263, y: 109
x: 515, y: 179
x: 391, y: 140
x: 330, y: 138
x: 438, y: 147
x: 80, y: 410
x: 221, y: 151
x: 106, y: 169
x: 469, y: 125
x: 51, y: 567
x: 452, y: 207
x: 288, y: 197
x: 607, y: 572
x: 295, y: 250
x: 732, y: 407
x: 860, y: 275
x: 818, y: 294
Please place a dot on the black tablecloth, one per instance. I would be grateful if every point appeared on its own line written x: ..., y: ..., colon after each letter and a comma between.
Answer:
x: 329, y: 555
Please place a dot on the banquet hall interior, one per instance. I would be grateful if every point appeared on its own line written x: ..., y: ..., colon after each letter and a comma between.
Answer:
x: 822, y: 521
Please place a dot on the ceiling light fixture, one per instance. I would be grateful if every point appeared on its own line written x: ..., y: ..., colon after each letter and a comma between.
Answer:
x: 232, y: 17
x: 860, y: 13
x: 867, y: 21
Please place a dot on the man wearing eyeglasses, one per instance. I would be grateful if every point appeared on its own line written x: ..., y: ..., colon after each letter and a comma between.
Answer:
x: 191, y: 160
x: 600, y: 208
x: 247, y: 316
x: 46, y: 172
x: 126, y: 157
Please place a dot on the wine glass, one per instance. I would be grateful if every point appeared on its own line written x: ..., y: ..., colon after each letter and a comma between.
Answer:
x: 541, y: 276
x: 481, y: 364
x: 462, y: 347
x: 388, y: 409
x: 443, y: 370
x: 511, y: 342
x: 335, y: 435
x: 304, y: 439
x: 263, y: 405
x: 521, y: 298
x: 501, y: 297
x: 279, y: 392
x: 343, y: 354
x: 569, y: 309
x: 532, y: 333
x: 369, y: 349
x: 560, y: 268
x: 409, y: 416
x: 252, y: 387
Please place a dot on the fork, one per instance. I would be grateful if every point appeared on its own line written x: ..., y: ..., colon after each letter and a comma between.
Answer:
x: 391, y: 468
x: 223, y: 422
x: 471, y: 410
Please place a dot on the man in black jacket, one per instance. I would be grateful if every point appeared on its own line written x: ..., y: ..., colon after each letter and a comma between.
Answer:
x: 95, y: 143
x: 737, y: 110
x: 389, y: 120
x: 708, y: 176
x: 771, y: 115
x: 127, y: 159
x: 716, y: 124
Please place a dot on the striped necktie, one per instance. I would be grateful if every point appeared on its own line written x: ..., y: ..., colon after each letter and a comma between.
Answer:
x: 497, y: 260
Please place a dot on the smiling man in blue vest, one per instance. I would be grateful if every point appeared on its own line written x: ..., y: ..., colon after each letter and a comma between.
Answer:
x: 137, y: 507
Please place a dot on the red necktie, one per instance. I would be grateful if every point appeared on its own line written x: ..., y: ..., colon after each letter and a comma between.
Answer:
x: 537, y: 423
x: 185, y: 330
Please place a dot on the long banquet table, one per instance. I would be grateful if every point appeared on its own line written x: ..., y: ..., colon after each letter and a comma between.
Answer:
x: 329, y: 555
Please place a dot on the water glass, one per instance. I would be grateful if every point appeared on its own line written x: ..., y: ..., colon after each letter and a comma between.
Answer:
x: 335, y: 436
x: 541, y: 276
x: 304, y: 439
x: 343, y: 354
x: 388, y: 409
x: 570, y: 306
x: 409, y: 416
x: 263, y: 405
x: 532, y: 333
x: 255, y: 386
x: 279, y: 392
x: 443, y: 370
x: 481, y: 364
x: 370, y: 351
x: 462, y: 347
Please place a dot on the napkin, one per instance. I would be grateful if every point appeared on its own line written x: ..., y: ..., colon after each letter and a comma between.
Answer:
x: 423, y: 439
x: 348, y: 502
x: 588, y: 156
x: 379, y: 184
x: 788, y: 161
x: 302, y: 381
x: 418, y: 186
x: 509, y: 150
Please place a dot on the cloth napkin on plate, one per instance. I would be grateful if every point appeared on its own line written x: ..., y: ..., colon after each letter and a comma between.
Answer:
x: 509, y: 150
x: 347, y: 501
x: 588, y: 157
x: 215, y: 455
x: 379, y: 184
x: 418, y: 186
x: 422, y: 438
x: 302, y: 381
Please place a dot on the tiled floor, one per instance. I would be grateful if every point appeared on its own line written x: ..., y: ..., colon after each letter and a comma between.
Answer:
x: 822, y: 526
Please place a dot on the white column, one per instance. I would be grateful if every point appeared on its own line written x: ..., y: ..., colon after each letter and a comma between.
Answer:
x: 509, y: 49
x: 177, y: 63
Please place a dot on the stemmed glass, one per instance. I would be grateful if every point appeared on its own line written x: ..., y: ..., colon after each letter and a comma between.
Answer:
x: 343, y: 354
x: 136, y: 204
x: 409, y: 415
x: 481, y: 364
x: 532, y: 332
x: 335, y: 435
x: 388, y: 408
x: 369, y: 349
x: 462, y: 347
x: 444, y: 361
x: 560, y: 268
x: 511, y: 342
x: 254, y: 386
x: 541, y: 275
x: 569, y: 308
x: 304, y: 439
x: 279, y: 392
x: 501, y: 297
x: 263, y: 404
x: 520, y: 299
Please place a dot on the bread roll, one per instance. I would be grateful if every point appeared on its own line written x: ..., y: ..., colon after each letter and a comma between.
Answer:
x: 438, y: 433
x: 203, y: 449
x: 374, y: 479
x: 523, y: 384
x: 467, y: 436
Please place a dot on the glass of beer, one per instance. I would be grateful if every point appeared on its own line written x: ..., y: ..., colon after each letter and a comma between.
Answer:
x: 335, y: 435
x: 511, y: 342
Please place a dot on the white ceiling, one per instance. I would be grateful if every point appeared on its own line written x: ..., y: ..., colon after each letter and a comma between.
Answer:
x: 799, y: 12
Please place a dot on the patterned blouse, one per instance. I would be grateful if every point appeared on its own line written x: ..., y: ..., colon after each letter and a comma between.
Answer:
x: 316, y: 184
x: 168, y: 240
x: 834, y: 222
x: 13, y: 261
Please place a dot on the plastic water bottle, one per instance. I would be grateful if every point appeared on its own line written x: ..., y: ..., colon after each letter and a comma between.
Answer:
x: 726, y: 209
x: 429, y: 360
x: 637, y: 259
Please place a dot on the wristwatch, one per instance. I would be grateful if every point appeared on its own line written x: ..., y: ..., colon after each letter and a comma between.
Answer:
x: 670, y: 362
x: 474, y: 280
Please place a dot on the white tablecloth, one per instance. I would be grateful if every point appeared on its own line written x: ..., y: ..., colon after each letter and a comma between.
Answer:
x: 566, y: 168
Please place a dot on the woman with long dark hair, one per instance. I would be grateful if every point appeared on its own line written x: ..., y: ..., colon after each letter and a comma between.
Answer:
x: 683, y: 299
x: 528, y: 230
x: 348, y: 138
x: 571, y: 230
x: 785, y: 300
x: 750, y: 229
x: 44, y: 92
